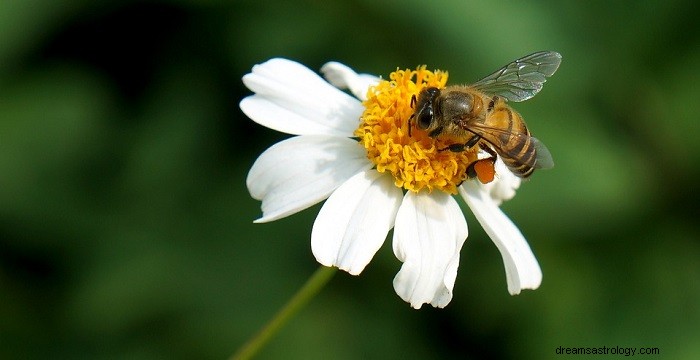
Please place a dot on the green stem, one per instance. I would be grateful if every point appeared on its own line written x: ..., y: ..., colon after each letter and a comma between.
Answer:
x: 315, y: 283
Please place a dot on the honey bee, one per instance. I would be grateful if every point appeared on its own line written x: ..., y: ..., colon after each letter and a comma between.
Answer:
x: 479, y: 114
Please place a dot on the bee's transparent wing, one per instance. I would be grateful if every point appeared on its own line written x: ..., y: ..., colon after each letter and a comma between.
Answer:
x: 544, y: 157
x: 521, y: 79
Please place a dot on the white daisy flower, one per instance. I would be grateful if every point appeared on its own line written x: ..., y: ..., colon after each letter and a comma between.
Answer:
x: 356, y: 153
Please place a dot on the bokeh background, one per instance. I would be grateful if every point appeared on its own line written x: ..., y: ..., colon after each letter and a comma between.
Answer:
x: 126, y: 227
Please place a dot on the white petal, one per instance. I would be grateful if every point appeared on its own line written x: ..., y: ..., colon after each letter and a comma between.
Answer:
x: 344, y: 77
x: 503, y: 187
x: 354, y: 221
x: 299, y: 172
x: 429, y: 233
x: 293, y: 99
x: 522, y: 269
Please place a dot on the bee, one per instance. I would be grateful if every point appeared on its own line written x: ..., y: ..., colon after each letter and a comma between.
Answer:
x: 479, y: 114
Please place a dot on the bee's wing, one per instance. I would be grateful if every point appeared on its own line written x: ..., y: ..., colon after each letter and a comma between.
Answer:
x: 521, y: 79
x: 500, y: 139
x: 544, y: 157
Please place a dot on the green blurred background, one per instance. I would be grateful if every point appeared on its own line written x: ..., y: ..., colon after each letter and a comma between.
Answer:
x: 126, y: 228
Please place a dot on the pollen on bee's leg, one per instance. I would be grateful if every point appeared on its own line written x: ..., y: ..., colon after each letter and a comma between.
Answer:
x: 484, y: 170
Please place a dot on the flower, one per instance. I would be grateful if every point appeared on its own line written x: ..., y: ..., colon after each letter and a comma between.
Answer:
x: 356, y: 153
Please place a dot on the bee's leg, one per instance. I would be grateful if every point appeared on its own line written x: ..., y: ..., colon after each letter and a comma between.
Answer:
x: 489, y: 150
x: 460, y: 147
x: 486, y: 166
x: 471, y: 170
x: 483, y: 169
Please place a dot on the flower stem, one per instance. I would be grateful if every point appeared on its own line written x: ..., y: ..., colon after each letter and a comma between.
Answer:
x: 307, y: 292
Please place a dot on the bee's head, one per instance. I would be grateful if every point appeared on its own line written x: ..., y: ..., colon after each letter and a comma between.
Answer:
x: 425, y: 107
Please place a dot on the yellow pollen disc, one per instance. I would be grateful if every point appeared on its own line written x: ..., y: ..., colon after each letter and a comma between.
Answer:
x: 414, y: 161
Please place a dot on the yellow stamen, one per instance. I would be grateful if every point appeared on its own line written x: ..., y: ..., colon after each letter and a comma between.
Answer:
x: 416, y: 161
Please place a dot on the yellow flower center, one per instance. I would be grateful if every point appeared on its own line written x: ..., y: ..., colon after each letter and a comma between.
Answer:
x: 418, y: 161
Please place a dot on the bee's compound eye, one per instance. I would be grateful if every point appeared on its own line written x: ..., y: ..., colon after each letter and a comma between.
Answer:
x: 425, y: 117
